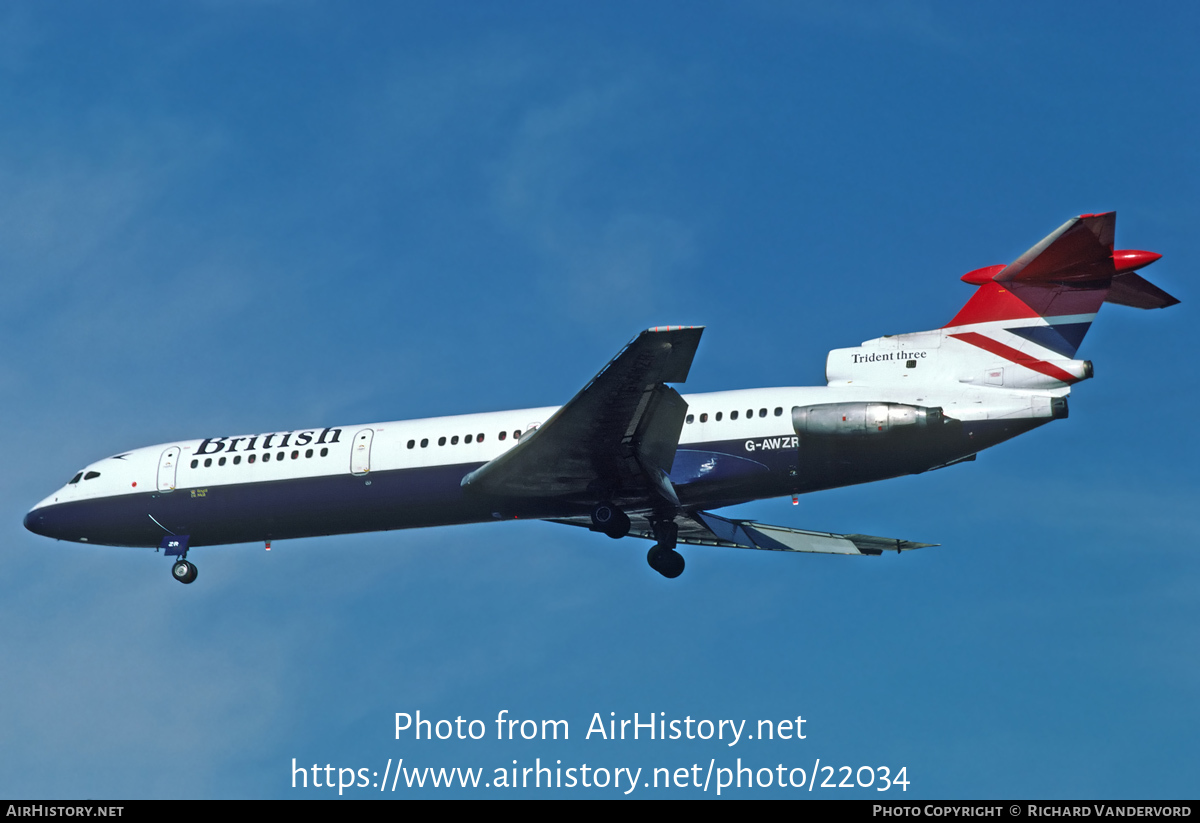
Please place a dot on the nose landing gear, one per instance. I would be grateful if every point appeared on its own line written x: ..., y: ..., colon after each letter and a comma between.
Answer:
x: 184, y: 571
x: 177, y: 544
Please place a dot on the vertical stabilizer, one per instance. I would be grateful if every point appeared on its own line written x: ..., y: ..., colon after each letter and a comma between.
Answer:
x: 1045, y: 300
x: 1025, y: 322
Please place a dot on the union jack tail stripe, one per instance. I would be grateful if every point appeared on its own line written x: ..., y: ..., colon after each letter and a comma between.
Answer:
x: 1018, y: 357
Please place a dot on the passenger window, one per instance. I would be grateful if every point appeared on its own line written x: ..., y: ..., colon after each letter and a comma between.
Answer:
x: 279, y: 456
x: 503, y: 435
x: 690, y: 418
x: 326, y: 451
x: 237, y: 460
x: 441, y: 441
x: 749, y: 413
x: 207, y: 463
x: 779, y: 411
x: 517, y: 434
x: 424, y: 443
x: 718, y: 417
x: 704, y: 417
x: 733, y: 415
x: 221, y: 462
x: 762, y: 412
x: 249, y: 459
x: 195, y: 463
x: 295, y: 454
x: 412, y: 443
x: 267, y: 457
x: 467, y: 439
x: 308, y: 453
x: 79, y: 476
x: 479, y: 438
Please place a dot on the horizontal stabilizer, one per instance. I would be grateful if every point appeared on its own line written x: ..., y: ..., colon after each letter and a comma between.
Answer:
x: 1134, y: 290
x: 1080, y: 249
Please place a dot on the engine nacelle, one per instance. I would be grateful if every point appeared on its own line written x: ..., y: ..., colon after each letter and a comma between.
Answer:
x: 1035, y: 374
x: 863, y: 419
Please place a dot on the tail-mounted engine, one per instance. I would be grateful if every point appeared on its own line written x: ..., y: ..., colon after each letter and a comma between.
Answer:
x: 864, y: 419
x: 846, y: 443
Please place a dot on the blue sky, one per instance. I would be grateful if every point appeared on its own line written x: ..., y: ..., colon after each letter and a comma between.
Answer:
x: 223, y: 217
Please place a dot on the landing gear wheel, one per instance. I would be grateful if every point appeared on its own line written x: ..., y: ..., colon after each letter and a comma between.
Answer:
x: 619, y: 527
x: 667, y: 562
x: 183, y: 571
x: 609, y: 519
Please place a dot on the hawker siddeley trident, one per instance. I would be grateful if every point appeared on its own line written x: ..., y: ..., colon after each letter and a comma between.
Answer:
x: 630, y: 456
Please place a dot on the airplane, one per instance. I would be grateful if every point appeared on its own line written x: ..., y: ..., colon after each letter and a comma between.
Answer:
x: 628, y: 455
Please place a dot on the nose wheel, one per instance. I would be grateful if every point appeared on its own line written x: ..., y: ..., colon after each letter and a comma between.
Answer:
x: 184, y: 571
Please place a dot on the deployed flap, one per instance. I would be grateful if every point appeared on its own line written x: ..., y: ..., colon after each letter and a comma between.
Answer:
x: 706, y: 529
x: 748, y: 534
x: 619, y: 433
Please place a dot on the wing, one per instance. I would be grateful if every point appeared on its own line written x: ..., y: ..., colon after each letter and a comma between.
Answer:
x: 616, y: 438
x: 706, y: 529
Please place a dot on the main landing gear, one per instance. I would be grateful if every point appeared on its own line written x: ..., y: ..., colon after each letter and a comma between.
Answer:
x: 184, y: 571
x: 611, y: 520
x: 662, y: 557
x: 667, y: 562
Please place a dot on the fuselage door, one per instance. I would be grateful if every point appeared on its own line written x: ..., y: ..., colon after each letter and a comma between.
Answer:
x: 360, y: 455
x: 168, y: 464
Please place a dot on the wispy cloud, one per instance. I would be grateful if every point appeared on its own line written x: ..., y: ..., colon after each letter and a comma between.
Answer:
x: 598, y: 252
x: 914, y: 21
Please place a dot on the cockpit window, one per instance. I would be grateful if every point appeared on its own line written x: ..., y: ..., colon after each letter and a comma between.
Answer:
x: 91, y: 475
x: 75, y: 479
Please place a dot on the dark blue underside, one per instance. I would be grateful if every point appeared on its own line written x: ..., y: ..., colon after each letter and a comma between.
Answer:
x: 709, y: 476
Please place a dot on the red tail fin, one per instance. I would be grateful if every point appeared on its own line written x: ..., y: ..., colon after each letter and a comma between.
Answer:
x: 1063, y: 279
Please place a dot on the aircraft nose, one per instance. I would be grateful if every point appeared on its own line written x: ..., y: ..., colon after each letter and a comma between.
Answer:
x: 35, y: 521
